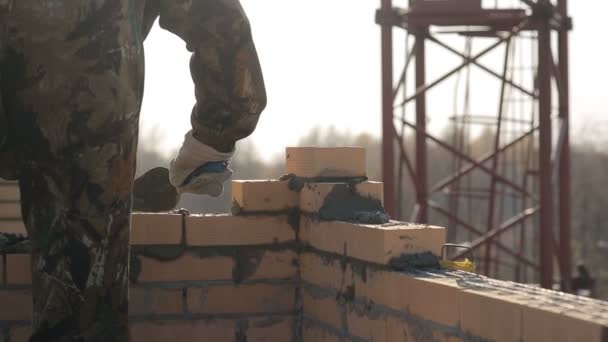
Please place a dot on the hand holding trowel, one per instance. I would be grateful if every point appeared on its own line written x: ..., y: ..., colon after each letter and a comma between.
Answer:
x: 197, y: 169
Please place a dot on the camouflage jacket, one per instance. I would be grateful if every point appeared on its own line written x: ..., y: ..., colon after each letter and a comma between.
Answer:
x: 230, y: 89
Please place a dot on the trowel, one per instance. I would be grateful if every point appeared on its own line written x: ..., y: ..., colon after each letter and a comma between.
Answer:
x: 153, y: 192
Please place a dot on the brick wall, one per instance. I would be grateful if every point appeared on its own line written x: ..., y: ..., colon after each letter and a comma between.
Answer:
x: 280, y: 271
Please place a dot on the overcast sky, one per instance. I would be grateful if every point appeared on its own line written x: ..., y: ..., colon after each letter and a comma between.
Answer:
x: 321, y: 62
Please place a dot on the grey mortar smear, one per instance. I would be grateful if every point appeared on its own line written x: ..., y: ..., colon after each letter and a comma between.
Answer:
x: 345, y: 203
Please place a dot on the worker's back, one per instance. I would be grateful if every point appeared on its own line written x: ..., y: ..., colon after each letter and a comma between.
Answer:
x: 71, y: 83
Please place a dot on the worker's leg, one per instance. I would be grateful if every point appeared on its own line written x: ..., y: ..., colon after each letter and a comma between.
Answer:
x: 72, y: 94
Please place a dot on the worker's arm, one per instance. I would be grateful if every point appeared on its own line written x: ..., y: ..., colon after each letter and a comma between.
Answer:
x: 229, y: 87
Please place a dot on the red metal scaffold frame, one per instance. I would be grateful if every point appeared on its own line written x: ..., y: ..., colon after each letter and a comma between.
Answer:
x: 543, y: 17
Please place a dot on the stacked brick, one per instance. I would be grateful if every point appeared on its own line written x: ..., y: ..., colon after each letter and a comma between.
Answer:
x: 303, y: 259
x: 10, y: 209
x: 222, y: 277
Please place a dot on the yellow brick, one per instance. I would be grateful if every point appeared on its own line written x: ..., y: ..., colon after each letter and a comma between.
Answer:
x: 398, y: 330
x: 187, y: 267
x: 182, y: 331
x: 384, y: 287
x: 13, y: 226
x: 359, y: 324
x: 542, y: 322
x: 225, y: 230
x: 156, y: 229
x: 11, y: 210
x: 254, y: 298
x: 324, y: 272
x: 314, y: 195
x: 16, y: 305
x: 20, y: 333
x: 155, y: 301
x: 256, y: 196
x: 490, y: 315
x: 18, y: 269
x: 276, y: 265
x: 313, y: 162
x: 434, y: 300
x: 322, y: 307
x: 270, y: 329
x: 9, y: 192
x: 314, y: 333
x: 373, y: 243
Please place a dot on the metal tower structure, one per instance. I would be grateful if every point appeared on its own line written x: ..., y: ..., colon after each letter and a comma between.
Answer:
x: 520, y: 184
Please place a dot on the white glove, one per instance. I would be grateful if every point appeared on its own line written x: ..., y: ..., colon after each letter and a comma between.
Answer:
x: 199, y: 169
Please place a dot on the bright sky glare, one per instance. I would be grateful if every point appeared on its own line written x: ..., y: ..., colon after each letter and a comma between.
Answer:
x: 321, y: 63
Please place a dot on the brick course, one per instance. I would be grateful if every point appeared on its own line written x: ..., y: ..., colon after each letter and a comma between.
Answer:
x: 224, y: 230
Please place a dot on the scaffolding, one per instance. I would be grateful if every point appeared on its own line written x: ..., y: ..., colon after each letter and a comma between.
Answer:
x: 520, y: 183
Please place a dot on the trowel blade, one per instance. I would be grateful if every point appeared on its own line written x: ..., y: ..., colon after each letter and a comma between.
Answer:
x: 153, y: 192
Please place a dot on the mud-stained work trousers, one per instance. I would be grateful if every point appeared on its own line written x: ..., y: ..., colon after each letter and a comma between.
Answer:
x: 71, y: 85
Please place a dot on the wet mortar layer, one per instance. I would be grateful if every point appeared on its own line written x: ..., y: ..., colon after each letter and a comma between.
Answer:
x: 360, y: 266
x: 345, y: 203
x: 421, y: 329
x: 296, y: 183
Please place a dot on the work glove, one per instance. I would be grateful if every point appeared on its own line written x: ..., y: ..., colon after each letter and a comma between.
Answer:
x: 199, y: 168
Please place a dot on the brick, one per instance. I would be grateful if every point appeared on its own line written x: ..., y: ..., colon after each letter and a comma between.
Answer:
x: 254, y: 298
x: 9, y: 192
x: 325, y: 272
x: 187, y: 268
x: 373, y: 243
x: 18, y: 269
x: 313, y: 162
x: 314, y: 195
x: 398, y: 330
x: 20, y: 333
x: 490, y: 315
x: 361, y: 325
x: 435, y: 300
x: 147, y: 301
x: 263, y: 196
x: 276, y: 265
x: 270, y: 329
x: 16, y: 305
x: 322, y: 307
x: 383, y: 287
x: 156, y: 229
x: 313, y: 333
x: 183, y: 331
x: 10, y: 210
x: 225, y: 230
x: 542, y: 322
x: 13, y: 226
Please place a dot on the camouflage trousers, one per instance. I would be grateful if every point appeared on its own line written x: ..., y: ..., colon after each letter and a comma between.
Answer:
x: 71, y: 84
